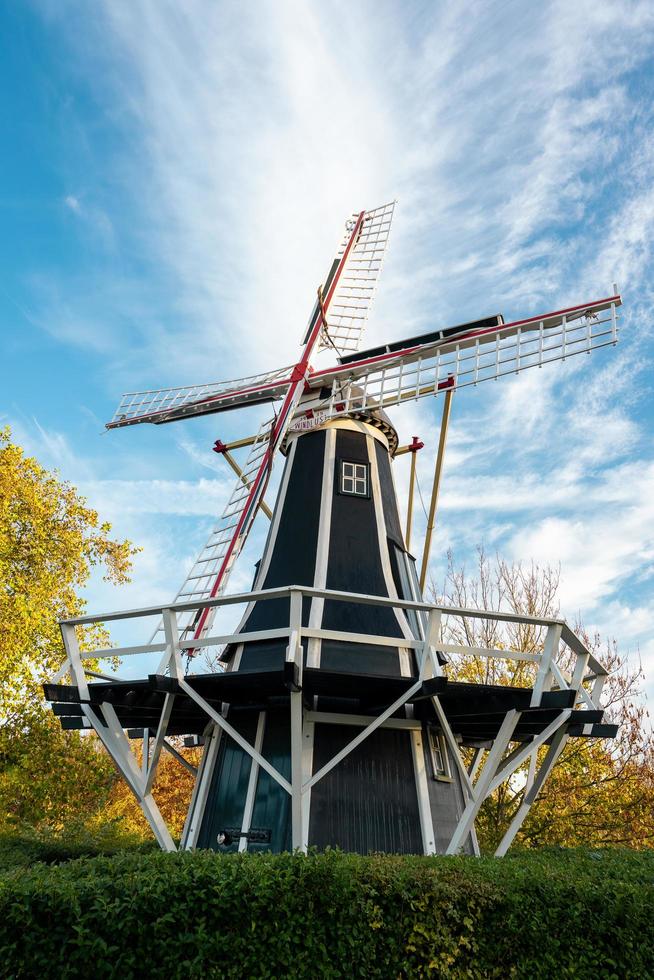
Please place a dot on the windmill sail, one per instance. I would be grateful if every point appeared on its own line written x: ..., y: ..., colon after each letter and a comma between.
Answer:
x: 223, y: 547
x: 170, y: 404
x: 210, y: 573
x: 348, y: 290
x: 466, y: 358
x: 352, y: 299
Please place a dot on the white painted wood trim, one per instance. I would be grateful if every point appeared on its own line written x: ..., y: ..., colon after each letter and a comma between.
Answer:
x: 322, y: 550
x: 422, y: 791
x: 268, y: 548
x: 382, y: 543
x: 195, y: 814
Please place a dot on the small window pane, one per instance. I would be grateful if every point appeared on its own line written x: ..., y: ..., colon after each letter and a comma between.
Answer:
x: 439, y: 757
x: 354, y: 478
x: 439, y: 766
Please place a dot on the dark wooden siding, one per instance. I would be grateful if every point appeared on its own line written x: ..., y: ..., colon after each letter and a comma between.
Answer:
x: 368, y: 802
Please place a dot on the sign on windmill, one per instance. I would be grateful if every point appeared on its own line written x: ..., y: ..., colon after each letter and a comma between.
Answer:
x: 330, y: 720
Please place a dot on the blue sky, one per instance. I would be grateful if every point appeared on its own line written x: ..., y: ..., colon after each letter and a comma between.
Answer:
x: 174, y: 178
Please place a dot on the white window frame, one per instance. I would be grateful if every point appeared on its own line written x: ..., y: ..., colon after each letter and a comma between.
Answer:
x: 357, y: 476
x: 439, y: 756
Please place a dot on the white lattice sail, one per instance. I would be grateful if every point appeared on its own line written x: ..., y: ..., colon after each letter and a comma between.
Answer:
x: 354, y: 294
x: 396, y: 376
x: 168, y: 404
x: 201, y: 580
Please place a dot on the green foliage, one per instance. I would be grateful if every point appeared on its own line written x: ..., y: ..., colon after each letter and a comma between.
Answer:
x: 50, y: 541
x: 538, y: 914
x: 51, y: 780
x: 24, y: 851
x: 601, y: 791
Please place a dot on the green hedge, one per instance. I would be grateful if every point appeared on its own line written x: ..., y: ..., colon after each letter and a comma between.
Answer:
x: 534, y: 914
x: 22, y: 852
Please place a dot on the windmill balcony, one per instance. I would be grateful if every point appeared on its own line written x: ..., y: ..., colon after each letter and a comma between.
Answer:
x: 486, y: 731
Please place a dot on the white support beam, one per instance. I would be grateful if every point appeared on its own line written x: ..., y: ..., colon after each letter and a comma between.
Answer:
x: 123, y: 748
x: 73, y: 655
x: 553, y: 753
x: 294, y: 655
x: 362, y: 598
x: 543, y: 678
x: 307, y: 770
x: 98, y: 675
x: 297, y: 774
x: 480, y: 788
x: 597, y: 688
x: 360, y: 721
x: 145, y: 754
x: 489, y: 652
x: 252, y: 636
x: 431, y: 642
x: 294, y: 648
x: 162, y: 728
x: 253, y: 780
x: 422, y: 792
x: 531, y: 772
x: 201, y: 789
x: 581, y: 665
x: 115, y: 742
x: 453, y: 746
x: 61, y: 673
x: 172, y: 657
x: 238, y: 738
x: 171, y: 750
x: 509, y: 765
x: 475, y: 762
x: 106, y: 653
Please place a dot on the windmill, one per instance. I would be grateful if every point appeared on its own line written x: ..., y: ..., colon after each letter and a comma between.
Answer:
x: 331, y: 720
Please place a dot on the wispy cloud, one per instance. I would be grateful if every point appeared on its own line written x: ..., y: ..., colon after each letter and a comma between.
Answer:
x: 518, y: 139
x: 72, y: 203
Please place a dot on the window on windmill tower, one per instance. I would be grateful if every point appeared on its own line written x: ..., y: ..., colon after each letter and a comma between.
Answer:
x: 440, y: 760
x: 354, y: 479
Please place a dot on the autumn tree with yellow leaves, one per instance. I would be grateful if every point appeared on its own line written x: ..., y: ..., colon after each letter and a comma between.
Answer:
x: 50, y: 540
x: 601, y: 791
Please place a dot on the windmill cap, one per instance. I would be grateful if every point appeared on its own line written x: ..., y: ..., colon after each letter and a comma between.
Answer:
x: 371, y: 414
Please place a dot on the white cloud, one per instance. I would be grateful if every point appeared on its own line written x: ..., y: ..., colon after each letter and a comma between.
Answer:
x: 521, y: 153
x: 72, y: 203
x: 184, y: 498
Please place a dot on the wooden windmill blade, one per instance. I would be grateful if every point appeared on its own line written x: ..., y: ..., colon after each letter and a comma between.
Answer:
x: 170, y: 404
x: 346, y: 295
x: 210, y: 573
x: 213, y: 565
x: 351, y: 300
x: 460, y: 356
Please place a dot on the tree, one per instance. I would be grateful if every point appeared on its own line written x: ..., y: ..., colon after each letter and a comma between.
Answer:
x: 50, y: 540
x: 601, y: 791
x: 172, y: 791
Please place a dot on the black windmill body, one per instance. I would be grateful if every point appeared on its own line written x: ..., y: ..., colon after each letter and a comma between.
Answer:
x: 329, y: 720
x: 336, y: 526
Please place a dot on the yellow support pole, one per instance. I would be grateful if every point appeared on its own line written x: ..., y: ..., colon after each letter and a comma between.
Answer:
x: 431, y: 520
x: 240, y: 443
x: 413, y: 449
x: 223, y: 451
